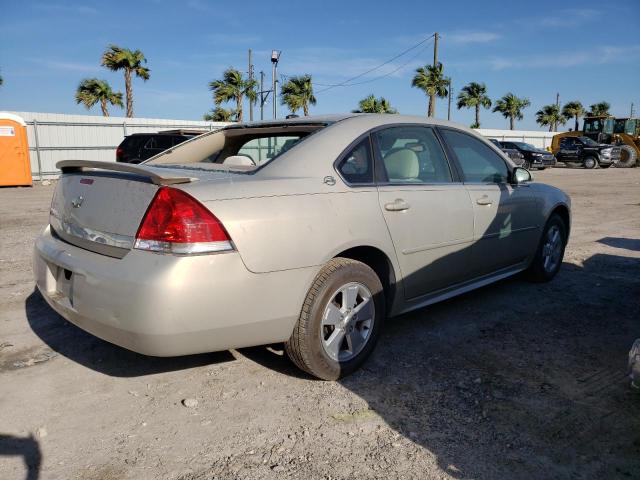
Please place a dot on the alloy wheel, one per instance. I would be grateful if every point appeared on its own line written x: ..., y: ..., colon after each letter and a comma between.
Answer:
x: 552, y: 249
x: 347, y: 321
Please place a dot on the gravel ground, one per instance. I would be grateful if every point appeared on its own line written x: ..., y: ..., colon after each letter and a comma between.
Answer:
x: 514, y: 380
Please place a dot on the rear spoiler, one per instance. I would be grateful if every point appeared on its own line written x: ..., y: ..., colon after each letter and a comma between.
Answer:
x: 71, y: 166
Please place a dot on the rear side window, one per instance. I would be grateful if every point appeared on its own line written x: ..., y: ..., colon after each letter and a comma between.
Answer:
x: 412, y: 155
x: 478, y: 162
x: 159, y: 142
x: 356, y: 167
x: 134, y: 142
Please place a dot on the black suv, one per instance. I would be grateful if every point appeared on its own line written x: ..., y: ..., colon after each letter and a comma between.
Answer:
x: 139, y: 147
x: 533, y: 157
x: 590, y: 154
x: 512, y: 153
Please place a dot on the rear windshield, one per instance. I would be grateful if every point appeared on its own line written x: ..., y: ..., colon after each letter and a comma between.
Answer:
x: 238, y: 149
x: 525, y: 146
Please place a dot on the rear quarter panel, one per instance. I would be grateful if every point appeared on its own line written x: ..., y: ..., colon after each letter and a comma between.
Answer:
x: 295, y: 231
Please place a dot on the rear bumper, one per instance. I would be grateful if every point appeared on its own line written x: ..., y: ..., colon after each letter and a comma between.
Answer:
x: 165, y: 305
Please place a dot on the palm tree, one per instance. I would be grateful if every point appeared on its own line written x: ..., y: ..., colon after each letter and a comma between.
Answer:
x: 220, y: 114
x: 573, y: 109
x: 93, y: 90
x: 600, y: 109
x: 298, y: 93
x: 550, y: 115
x: 474, y: 95
x: 431, y: 81
x: 371, y: 104
x: 511, y: 107
x: 233, y: 86
x: 116, y: 58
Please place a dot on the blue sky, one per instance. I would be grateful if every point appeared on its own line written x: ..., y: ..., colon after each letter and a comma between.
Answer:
x: 589, y: 51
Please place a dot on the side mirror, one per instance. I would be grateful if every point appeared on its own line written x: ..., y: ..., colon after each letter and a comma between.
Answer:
x: 520, y: 175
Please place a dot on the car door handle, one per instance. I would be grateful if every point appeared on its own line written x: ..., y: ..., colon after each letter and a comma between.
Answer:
x: 398, y: 205
x: 484, y: 200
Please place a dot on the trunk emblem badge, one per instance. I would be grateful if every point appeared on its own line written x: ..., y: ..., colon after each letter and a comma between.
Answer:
x: 77, y: 202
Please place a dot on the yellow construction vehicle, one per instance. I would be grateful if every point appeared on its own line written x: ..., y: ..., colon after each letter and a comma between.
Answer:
x: 622, y: 132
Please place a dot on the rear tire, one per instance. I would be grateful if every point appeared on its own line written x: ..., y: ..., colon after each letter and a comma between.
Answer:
x: 550, y: 252
x: 590, y: 162
x: 628, y: 157
x: 340, y: 321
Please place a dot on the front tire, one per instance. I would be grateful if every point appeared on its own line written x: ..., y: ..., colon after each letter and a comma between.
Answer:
x: 550, y: 252
x: 590, y: 163
x: 340, y: 320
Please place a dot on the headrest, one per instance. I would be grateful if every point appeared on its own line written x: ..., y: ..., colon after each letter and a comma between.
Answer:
x: 402, y: 164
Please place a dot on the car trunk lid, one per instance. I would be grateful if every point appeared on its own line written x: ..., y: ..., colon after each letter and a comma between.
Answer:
x: 98, y: 206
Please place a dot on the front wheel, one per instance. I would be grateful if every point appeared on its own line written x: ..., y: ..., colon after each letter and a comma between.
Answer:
x: 590, y: 163
x: 550, y: 252
x: 340, y: 320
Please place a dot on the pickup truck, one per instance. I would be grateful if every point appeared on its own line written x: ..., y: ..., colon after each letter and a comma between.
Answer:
x: 587, y: 152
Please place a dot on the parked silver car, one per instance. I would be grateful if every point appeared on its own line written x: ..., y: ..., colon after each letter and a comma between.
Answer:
x: 307, y: 231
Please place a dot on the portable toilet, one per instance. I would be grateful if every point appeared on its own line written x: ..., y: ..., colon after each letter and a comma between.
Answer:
x: 15, y: 166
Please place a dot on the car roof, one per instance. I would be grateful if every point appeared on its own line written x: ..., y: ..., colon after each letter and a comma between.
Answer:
x: 354, y: 118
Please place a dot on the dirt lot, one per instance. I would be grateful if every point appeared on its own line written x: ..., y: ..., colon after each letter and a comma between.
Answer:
x: 512, y: 381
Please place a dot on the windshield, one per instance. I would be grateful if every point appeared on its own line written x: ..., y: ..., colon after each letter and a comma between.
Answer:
x: 236, y: 149
x: 588, y: 142
x: 525, y: 146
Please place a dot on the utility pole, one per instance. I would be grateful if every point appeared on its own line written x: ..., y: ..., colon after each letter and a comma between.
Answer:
x: 435, y: 49
x: 631, y: 112
x: 555, y: 124
x: 263, y: 97
x: 275, y: 58
x: 250, y: 79
x: 449, y: 106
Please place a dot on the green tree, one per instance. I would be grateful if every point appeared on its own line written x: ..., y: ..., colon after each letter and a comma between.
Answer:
x: 116, y: 58
x: 371, y: 104
x: 550, y: 115
x: 573, y: 109
x: 511, y: 107
x: 93, y: 90
x: 474, y: 95
x: 430, y: 79
x: 600, y: 109
x: 220, y: 114
x: 298, y: 93
x: 233, y: 87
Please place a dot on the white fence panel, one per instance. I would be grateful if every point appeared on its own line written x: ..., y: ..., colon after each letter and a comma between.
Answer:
x: 54, y: 137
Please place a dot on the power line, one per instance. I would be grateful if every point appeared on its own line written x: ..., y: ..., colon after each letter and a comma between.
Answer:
x: 348, y: 82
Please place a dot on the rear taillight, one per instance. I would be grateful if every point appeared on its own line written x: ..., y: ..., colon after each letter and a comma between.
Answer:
x: 119, y: 152
x: 176, y: 222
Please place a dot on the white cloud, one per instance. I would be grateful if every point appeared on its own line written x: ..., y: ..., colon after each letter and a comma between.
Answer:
x: 70, y: 9
x: 597, y: 56
x: 463, y: 38
x: 67, y: 66
x: 571, y: 17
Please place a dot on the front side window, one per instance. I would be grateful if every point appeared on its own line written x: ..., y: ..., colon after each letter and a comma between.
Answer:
x: 356, y: 167
x: 478, y: 162
x: 411, y: 155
